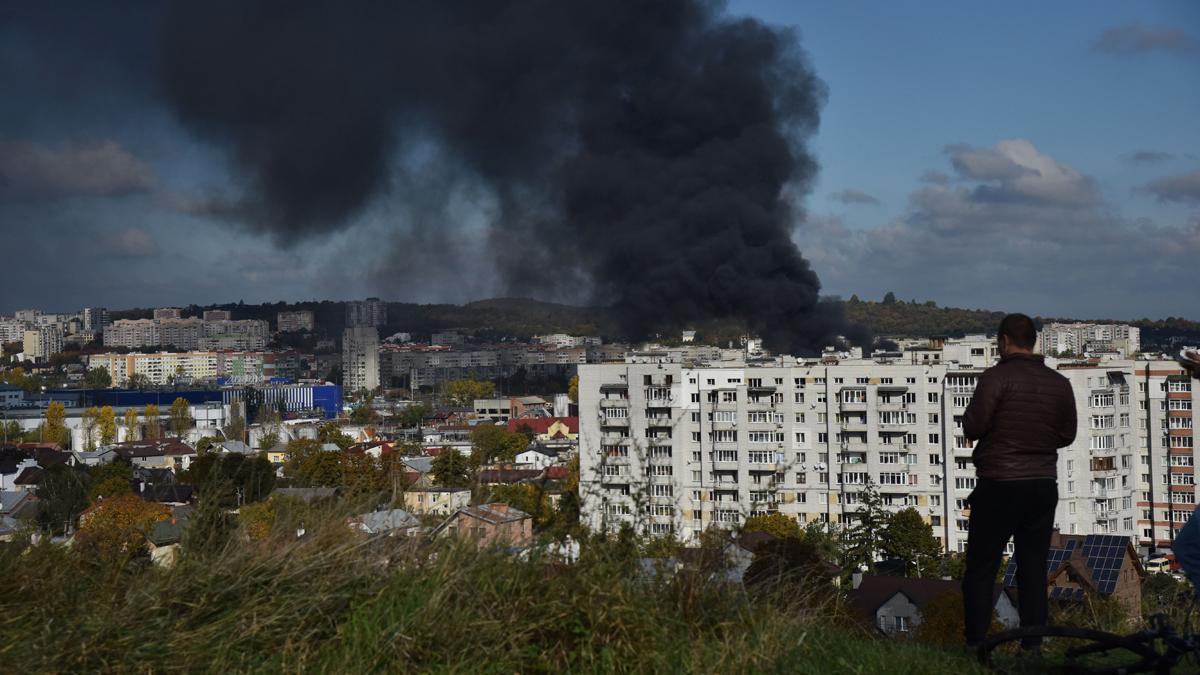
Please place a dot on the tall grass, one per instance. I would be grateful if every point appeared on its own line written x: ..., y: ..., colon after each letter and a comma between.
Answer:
x: 335, y: 603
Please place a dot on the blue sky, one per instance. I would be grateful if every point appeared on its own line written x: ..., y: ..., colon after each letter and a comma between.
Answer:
x: 1039, y: 157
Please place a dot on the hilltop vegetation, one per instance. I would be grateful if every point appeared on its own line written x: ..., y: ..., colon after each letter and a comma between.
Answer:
x: 522, y: 318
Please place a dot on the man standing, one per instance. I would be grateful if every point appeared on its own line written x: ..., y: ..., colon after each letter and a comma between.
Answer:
x: 1021, y: 414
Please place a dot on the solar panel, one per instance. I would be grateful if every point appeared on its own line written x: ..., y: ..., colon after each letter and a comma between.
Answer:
x: 1103, y: 553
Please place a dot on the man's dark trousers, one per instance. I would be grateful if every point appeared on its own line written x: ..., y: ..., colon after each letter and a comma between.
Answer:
x: 1023, y: 510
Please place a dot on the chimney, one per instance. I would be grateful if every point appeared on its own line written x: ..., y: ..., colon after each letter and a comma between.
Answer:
x: 856, y: 579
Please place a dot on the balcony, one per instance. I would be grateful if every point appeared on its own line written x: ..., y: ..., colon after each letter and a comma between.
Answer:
x: 617, y: 479
x: 613, y: 439
x: 890, y: 404
x: 615, y: 422
x: 614, y: 403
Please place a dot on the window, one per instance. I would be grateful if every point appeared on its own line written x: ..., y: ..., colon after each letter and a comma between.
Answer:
x: 723, y: 436
x: 662, y: 490
x: 800, y: 437
x: 933, y: 418
x: 801, y: 478
x: 1179, y: 404
x: 934, y: 439
x: 964, y: 483
x: 935, y: 459
x: 932, y: 397
x: 660, y: 470
x: 1103, y: 442
x: 1102, y: 422
x: 799, y: 418
x: 822, y: 437
x: 1102, y: 400
x: 892, y: 478
x: 889, y: 458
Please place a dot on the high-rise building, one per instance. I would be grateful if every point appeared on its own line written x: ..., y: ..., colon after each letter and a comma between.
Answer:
x: 168, y: 313
x: 369, y: 312
x: 673, y: 448
x: 95, y: 319
x: 360, y: 358
x: 299, y: 321
x: 217, y: 315
x: 1080, y: 338
x: 42, y: 343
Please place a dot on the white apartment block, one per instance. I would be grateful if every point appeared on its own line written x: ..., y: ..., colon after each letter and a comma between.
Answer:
x: 11, y: 329
x: 360, y: 358
x: 564, y: 341
x: 42, y: 343
x: 166, y: 368
x: 675, y: 449
x: 168, y: 313
x: 369, y: 312
x: 1081, y: 338
x: 190, y: 333
x: 300, y: 321
x: 217, y: 315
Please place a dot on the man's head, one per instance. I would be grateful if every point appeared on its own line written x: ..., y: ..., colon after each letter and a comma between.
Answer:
x: 1017, y: 335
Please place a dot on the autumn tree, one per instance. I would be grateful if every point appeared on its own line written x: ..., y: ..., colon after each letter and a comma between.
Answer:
x: 451, y: 469
x: 464, y: 392
x: 138, y: 381
x: 909, y: 538
x: 775, y: 524
x: 153, y: 423
x: 363, y: 474
x: 91, y: 420
x: 332, y: 433
x: 118, y: 526
x: 180, y: 417
x: 110, y: 487
x: 257, y: 519
x: 412, y: 416
x: 236, y: 429
x: 130, y: 422
x: 54, y: 424
x: 573, y: 389
x: 107, y: 425
x: 528, y: 497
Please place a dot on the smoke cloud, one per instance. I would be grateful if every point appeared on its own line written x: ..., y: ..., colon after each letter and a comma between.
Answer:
x: 651, y: 151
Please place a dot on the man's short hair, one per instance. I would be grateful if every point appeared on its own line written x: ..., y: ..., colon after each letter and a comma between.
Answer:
x: 1019, y: 330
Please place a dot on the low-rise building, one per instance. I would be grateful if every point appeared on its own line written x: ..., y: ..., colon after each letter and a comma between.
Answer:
x: 440, y: 501
x: 489, y: 525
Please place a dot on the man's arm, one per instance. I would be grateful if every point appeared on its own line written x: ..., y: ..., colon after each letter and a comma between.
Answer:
x: 977, y: 420
x: 1068, y: 424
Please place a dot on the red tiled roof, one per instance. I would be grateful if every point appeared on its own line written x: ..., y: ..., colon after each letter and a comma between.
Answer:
x: 541, y: 425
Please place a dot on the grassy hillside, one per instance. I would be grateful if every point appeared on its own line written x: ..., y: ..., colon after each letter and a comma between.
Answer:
x: 334, y: 604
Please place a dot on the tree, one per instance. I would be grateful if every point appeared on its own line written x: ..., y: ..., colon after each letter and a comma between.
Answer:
x: 889, y: 299
x: 942, y: 621
x: 789, y: 567
x: 153, y: 423
x: 97, y: 378
x: 107, y: 425
x: 268, y: 440
x: 451, y: 469
x: 11, y: 432
x: 527, y: 497
x: 492, y: 443
x: 62, y: 496
x: 54, y: 426
x: 776, y: 524
x: 909, y: 538
x: 573, y: 389
x: 258, y: 519
x: 180, y: 417
x: 236, y: 429
x: 138, y: 381
x: 412, y: 416
x: 118, y: 526
x: 91, y: 420
x: 464, y: 392
x: 362, y: 474
x: 863, y: 537
x: 130, y: 422
x: 110, y: 487
x: 332, y: 433
x: 307, y: 465
x: 230, y: 480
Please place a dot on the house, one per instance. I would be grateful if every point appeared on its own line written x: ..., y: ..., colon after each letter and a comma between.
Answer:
x: 894, y: 604
x: 94, y: 457
x: 163, y: 541
x: 1078, y: 564
x: 165, y: 453
x: 278, y: 453
x: 537, y: 457
x: 17, y: 503
x: 11, y: 468
x: 233, y: 448
x: 30, y: 478
x: 441, y: 501
x: 489, y: 525
x: 388, y: 523
x: 164, y: 494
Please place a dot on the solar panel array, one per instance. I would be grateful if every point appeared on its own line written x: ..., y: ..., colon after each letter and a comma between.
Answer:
x: 1104, y: 554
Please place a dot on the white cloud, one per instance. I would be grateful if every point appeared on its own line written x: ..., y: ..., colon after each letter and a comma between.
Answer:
x: 103, y: 168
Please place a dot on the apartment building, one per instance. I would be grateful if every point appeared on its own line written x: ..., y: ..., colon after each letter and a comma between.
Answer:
x: 192, y: 333
x: 11, y: 329
x: 43, y: 342
x: 166, y: 368
x: 95, y: 319
x: 360, y: 358
x: 675, y: 449
x: 369, y: 312
x: 1080, y: 338
x: 300, y: 321
x: 168, y: 313
x: 217, y: 315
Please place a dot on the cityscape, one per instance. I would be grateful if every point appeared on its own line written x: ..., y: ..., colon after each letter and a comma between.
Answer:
x: 536, y: 337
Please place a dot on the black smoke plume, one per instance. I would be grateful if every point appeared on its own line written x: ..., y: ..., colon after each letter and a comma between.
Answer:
x: 644, y: 148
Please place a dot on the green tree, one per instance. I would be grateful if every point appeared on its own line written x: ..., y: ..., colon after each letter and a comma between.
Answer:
x: 131, y: 424
x: 889, y: 298
x: 307, y: 465
x: 10, y: 431
x: 362, y: 474
x: 54, y: 425
x: 776, y: 524
x: 107, y: 425
x: 153, y: 422
x: 91, y: 420
x: 451, y: 469
x: 138, y: 381
x: 909, y: 538
x: 826, y: 543
x: 492, y: 443
x: 332, y: 433
x: 62, y: 496
x: 864, y: 535
x: 528, y: 497
x: 180, y: 417
x: 236, y: 429
x: 464, y: 392
x: 412, y: 416
x: 97, y: 378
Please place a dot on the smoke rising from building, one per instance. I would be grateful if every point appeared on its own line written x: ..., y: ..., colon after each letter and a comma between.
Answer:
x: 650, y: 150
